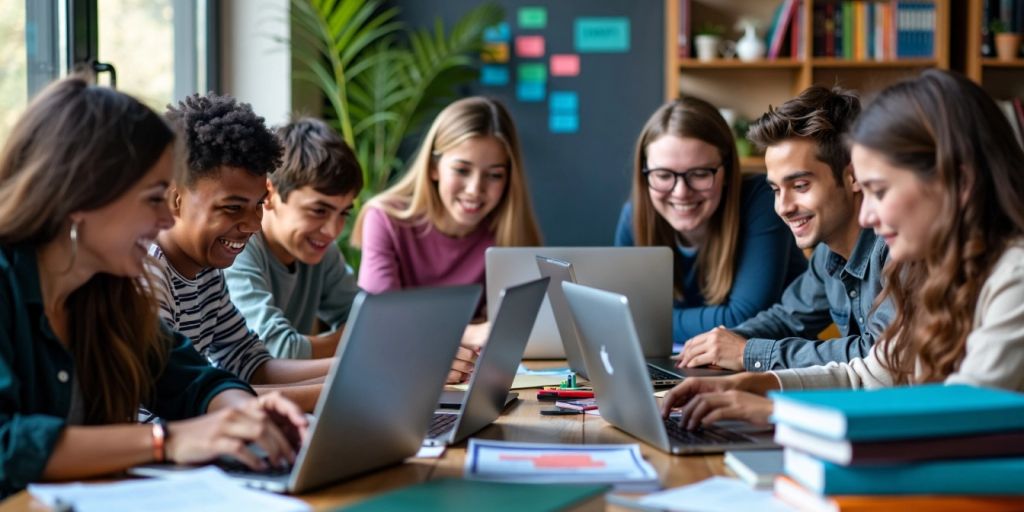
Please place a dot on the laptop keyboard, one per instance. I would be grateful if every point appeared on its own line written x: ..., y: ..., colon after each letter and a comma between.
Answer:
x: 440, y: 424
x: 702, y: 436
x: 657, y: 374
x: 235, y: 466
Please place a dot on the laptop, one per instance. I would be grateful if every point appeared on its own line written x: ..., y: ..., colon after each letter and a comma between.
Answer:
x: 661, y: 368
x: 618, y: 373
x: 644, y: 274
x: 375, y: 407
x: 495, y: 369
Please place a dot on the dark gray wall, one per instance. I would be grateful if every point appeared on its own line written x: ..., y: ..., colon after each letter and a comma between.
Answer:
x: 578, y: 181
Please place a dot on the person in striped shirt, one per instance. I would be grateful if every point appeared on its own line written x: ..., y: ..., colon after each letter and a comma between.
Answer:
x: 217, y: 204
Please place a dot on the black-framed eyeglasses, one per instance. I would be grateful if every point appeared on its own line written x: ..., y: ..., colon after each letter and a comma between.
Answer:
x: 697, y: 179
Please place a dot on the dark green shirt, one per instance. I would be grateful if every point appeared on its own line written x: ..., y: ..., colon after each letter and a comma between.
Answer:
x: 37, y: 374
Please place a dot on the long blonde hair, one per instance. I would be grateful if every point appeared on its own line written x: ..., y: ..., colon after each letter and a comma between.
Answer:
x: 79, y: 147
x: 716, y: 262
x: 415, y: 196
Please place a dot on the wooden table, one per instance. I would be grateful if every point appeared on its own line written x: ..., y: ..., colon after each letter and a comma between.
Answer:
x: 520, y: 422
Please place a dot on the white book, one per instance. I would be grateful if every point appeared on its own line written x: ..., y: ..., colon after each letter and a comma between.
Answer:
x: 756, y: 467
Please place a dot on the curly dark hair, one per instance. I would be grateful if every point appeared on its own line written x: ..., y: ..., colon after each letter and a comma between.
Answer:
x: 219, y: 131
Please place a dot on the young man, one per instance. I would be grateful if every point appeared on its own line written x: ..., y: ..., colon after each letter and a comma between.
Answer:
x: 816, y: 194
x: 292, y: 273
x: 217, y: 204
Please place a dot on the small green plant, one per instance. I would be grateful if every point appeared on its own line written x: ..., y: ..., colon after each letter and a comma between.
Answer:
x: 710, y: 29
x: 998, y: 26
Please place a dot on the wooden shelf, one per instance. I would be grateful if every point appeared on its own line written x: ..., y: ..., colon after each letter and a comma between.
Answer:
x: 996, y: 63
x: 752, y: 164
x: 821, y: 62
x: 692, y: 64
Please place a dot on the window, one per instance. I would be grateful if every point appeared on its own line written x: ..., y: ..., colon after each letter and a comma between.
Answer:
x: 13, y: 64
x: 137, y: 38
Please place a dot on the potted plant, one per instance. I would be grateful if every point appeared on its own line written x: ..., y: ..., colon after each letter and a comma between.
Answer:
x: 708, y: 40
x: 383, y: 81
x: 1007, y: 43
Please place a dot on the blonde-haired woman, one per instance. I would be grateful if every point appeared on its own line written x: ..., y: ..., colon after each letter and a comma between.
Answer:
x: 733, y: 255
x: 464, y: 192
x: 81, y: 345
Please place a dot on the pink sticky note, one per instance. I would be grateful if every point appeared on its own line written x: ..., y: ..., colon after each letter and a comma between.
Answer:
x: 530, y: 46
x: 565, y: 65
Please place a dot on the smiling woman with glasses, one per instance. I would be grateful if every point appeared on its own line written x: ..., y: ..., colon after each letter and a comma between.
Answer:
x: 733, y: 256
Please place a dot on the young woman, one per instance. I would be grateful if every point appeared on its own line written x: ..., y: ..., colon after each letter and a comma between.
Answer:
x: 733, y: 255
x: 83, y: 177
x: 464, y: 192
x: 940, y: 170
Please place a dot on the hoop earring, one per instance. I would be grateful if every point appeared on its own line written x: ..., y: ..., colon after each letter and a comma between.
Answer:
x: 74, y: 245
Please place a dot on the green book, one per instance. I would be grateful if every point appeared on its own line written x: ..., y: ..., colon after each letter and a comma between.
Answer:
x: 457, y: 495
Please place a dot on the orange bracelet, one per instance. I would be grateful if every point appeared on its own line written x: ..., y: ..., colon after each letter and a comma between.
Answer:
x: 159, y: 435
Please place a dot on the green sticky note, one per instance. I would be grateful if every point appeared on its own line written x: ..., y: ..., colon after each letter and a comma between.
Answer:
x: 533, y: 17
x: 534, y: 72
x: 608, y: 35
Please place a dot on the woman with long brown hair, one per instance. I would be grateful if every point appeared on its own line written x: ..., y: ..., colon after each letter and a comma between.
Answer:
x: 940, y: 171
x: 732, y: 255
x: 83, y: 177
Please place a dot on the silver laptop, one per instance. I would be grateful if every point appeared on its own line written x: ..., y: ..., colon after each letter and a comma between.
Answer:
x: 644, y: 274
x: 618, y: 373
x: 381, y: 390
x: 496, y: 367
x: 661, y: 367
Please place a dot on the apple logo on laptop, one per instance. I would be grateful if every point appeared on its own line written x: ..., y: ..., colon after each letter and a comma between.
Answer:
x: 607, y: 362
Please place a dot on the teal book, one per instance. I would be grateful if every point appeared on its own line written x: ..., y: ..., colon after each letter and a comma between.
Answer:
x: 929, y: 410
x: 968, y: 477
x: 457, y: 495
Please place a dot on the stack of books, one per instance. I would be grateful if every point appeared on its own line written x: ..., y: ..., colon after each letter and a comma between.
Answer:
x: 928, y: 447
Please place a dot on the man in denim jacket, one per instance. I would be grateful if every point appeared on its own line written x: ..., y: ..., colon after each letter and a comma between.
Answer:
x: 817, y: 195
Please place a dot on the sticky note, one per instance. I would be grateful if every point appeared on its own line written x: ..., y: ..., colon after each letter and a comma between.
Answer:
x: 495, y: 52
x: 530, y: 91
x: 533, y: 17
x: 563, y: 102
x: 533, y: 72
x: 608, y: 35
x: 564, y: 123
x: 497, y: 33
x: 530, y: 46
x: 494, y: 75
x: 565, y: 65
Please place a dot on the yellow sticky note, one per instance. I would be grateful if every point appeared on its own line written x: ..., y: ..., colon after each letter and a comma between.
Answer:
x: 495, y: 52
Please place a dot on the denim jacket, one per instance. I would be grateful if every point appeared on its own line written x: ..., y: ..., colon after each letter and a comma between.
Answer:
x: 831, y: 290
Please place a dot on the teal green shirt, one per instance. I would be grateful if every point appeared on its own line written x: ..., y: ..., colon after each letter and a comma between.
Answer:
x: 37, y: 374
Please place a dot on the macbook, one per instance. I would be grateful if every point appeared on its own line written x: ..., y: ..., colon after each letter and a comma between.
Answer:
x: 660, y: 366
x: 495, y: 368
x: 380, y: 393
x: 644, y: 274
x: 618, y: 373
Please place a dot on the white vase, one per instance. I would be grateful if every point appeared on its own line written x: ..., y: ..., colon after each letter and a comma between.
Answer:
x: 706, y: 46
x: 750, y: 47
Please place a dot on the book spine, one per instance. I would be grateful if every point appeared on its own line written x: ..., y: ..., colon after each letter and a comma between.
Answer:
x: 684, y: 29
x: 967, y: 477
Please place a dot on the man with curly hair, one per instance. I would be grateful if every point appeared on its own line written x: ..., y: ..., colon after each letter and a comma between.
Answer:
x: 217, y: 204
x: 817, y: 195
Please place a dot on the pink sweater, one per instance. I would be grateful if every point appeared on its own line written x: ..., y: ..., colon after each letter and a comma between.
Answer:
x: 399, y: 254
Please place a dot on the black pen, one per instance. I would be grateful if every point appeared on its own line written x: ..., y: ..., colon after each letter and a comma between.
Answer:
x: 558, y: 412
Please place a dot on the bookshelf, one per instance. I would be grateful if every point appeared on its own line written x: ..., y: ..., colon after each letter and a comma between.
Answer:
x: 749, y: 87
x: 1002, y: 79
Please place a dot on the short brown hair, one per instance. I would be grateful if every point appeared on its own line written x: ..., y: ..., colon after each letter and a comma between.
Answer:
x: 315, y: 155
x: 819, y: 113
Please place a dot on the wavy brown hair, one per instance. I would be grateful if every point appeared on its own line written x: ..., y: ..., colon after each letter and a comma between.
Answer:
x: 415, y: 197
x: 695, y: 119
x: 79, y: 147
x: 946, y: 130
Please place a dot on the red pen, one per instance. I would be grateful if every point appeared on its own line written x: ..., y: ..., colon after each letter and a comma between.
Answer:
x: 556, y: 394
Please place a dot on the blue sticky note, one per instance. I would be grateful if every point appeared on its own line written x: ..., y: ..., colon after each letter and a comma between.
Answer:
x: 495, y: 76
x: 497, y: 33
x: 530, y: 91
x: 563, y: 102
x: 564, y: 123
x: 608, y: 35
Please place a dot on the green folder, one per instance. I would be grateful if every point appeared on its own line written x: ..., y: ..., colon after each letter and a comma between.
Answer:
x: 456, y: 495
